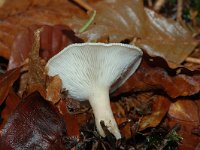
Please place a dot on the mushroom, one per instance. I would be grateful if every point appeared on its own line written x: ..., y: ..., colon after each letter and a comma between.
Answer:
x: 89, y: 71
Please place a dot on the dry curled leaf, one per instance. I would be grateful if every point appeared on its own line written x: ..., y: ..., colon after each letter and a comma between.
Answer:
x: 53, y: 91
x: 36, y: 69
x: 35, y: 124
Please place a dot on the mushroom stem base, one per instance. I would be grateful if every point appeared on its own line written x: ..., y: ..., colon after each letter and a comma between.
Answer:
x: 100, y: 104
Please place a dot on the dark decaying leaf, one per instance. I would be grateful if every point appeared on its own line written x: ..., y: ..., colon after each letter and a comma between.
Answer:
x: 6, y: 82
x: 140, y: 112
x: 35, y: 124
x: 11, y: 103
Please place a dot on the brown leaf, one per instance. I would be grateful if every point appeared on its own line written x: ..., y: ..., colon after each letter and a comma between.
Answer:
x: 128, y: 19
x: 186, y: 113
x: 125, y: 130
x: 6, y: 82
x: 17, y: 17
x: 190, y: 141
x: 185, y: 110
x: 53, y: 39
x: 54, y: 89
x: 35, y: 124
x: 36, y: 69
x: 11, y: 8
x: 72, y: 126
x: 20, y: 48
x: 151, y: 76
x: 159, y: 110
x: 11, y: 103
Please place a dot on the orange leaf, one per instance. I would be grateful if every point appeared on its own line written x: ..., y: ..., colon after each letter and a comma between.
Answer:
x: 53, y: 89
x: 72, y: 125
x: 159, y: 110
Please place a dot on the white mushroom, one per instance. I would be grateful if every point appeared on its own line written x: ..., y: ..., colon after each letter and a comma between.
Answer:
x: 88, y: 70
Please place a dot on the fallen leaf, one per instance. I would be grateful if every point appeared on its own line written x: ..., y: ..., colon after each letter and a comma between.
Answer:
x: 6, y: 82
x: 185, y: 110
x: 35, y: 124
x: 151, y: 76
x: 196, y: 130
x: 159, y: 110
x: 53, y: 40
x: 54, y: 88
x: 11, y: 103
x: 70, y: 119
x: 17, y: 17
x: 190, y: 141
x: 126, y: 19
x: 186, y: 113
x: 130, y: 20
x: 36, y: 69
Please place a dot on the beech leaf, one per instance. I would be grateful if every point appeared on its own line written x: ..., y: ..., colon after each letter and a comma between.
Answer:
x: 6, y: 82
x: 127, y: 19
x: 35, y: 124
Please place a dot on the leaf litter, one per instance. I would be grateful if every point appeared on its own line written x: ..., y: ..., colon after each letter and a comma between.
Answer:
x: 156, y: 83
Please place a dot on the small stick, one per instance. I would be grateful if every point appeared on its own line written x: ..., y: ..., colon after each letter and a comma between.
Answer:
x: 192, y: 60
x: 84, y: 5
x: 179, y: 10
x: 158, y: 5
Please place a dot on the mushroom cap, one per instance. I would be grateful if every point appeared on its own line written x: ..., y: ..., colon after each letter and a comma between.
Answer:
x: 85, y: 67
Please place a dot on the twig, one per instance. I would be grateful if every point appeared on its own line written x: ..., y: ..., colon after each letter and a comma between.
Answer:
x: 88, y: 23
x: 192, y: 60
x: 84, y: 5
x: 158, y: 5
x: 179, y: 10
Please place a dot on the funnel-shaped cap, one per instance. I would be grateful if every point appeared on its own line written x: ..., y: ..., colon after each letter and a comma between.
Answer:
x: 85, y: 66
x: 88, y: 71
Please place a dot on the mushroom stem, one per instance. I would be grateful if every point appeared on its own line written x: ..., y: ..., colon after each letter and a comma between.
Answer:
x: 100, y: 103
